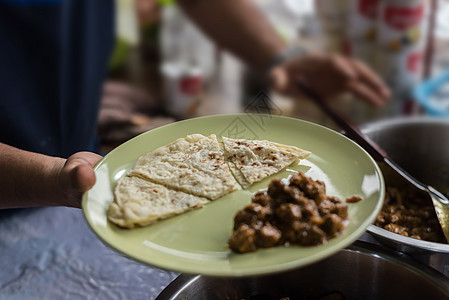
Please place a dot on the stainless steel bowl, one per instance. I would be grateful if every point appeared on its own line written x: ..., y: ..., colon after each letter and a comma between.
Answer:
x: 362, y: 271
x: 420, y: 146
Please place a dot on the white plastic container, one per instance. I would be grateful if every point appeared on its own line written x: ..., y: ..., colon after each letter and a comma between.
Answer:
x: 402, y: 35
x: 183, y: 88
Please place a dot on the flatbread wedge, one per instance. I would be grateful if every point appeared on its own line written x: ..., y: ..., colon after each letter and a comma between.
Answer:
x: 138, y: 202
x: 253, y: 160
x: 194, y: 165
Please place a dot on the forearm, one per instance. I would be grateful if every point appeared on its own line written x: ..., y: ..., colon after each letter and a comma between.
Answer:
x: 28, y: 179
x: 237, y: 26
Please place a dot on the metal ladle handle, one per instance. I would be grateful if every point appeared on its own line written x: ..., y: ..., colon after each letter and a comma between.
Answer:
x: 439, y: 201
x: 359, y: 137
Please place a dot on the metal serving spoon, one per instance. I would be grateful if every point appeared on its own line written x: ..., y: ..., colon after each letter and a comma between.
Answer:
x: 440, y: 202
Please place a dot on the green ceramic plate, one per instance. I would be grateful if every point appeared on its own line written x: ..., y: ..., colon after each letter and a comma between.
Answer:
x: 196, y: 242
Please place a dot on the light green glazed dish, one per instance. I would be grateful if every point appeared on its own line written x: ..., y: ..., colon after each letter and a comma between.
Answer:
x: 196, y: 242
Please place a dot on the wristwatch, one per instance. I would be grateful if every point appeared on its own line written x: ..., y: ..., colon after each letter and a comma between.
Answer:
x: 284, y: 55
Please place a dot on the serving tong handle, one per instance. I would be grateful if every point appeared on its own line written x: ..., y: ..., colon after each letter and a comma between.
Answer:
x: 440, y: 202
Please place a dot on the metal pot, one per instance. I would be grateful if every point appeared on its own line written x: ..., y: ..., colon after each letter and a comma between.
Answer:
x: 362, y: 271
x: 421, y: 146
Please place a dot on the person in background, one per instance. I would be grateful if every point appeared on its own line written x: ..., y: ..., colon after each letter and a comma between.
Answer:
x: 54, y: 59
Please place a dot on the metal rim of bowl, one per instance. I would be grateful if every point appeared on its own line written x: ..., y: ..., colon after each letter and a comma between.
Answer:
x: 385, y: 123
x: 383, y: 233
x: 183, y: 281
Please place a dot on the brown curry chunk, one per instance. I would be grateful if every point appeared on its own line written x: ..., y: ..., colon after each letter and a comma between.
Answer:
x: 410, y: 214
x: 296, y: 211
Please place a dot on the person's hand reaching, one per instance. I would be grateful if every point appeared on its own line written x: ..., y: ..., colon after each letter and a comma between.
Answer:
x: 328, y: 76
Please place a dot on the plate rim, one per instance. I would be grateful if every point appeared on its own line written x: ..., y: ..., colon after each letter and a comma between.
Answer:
x: 252, y: 271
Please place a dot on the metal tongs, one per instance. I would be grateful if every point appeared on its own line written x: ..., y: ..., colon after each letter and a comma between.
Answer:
x: 440, y: 202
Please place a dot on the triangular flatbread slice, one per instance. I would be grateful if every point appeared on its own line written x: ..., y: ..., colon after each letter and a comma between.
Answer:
x: 138, y: 202
x: 194, y: 164
x: 253, y: 160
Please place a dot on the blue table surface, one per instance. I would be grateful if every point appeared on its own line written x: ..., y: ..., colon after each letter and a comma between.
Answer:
x: 51, y: 253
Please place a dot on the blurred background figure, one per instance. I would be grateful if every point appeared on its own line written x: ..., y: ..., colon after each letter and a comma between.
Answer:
x: 179, y: 72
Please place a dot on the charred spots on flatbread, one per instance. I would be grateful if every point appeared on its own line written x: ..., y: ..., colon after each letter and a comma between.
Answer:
x: 193, y: 171
x: 254, y: 160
